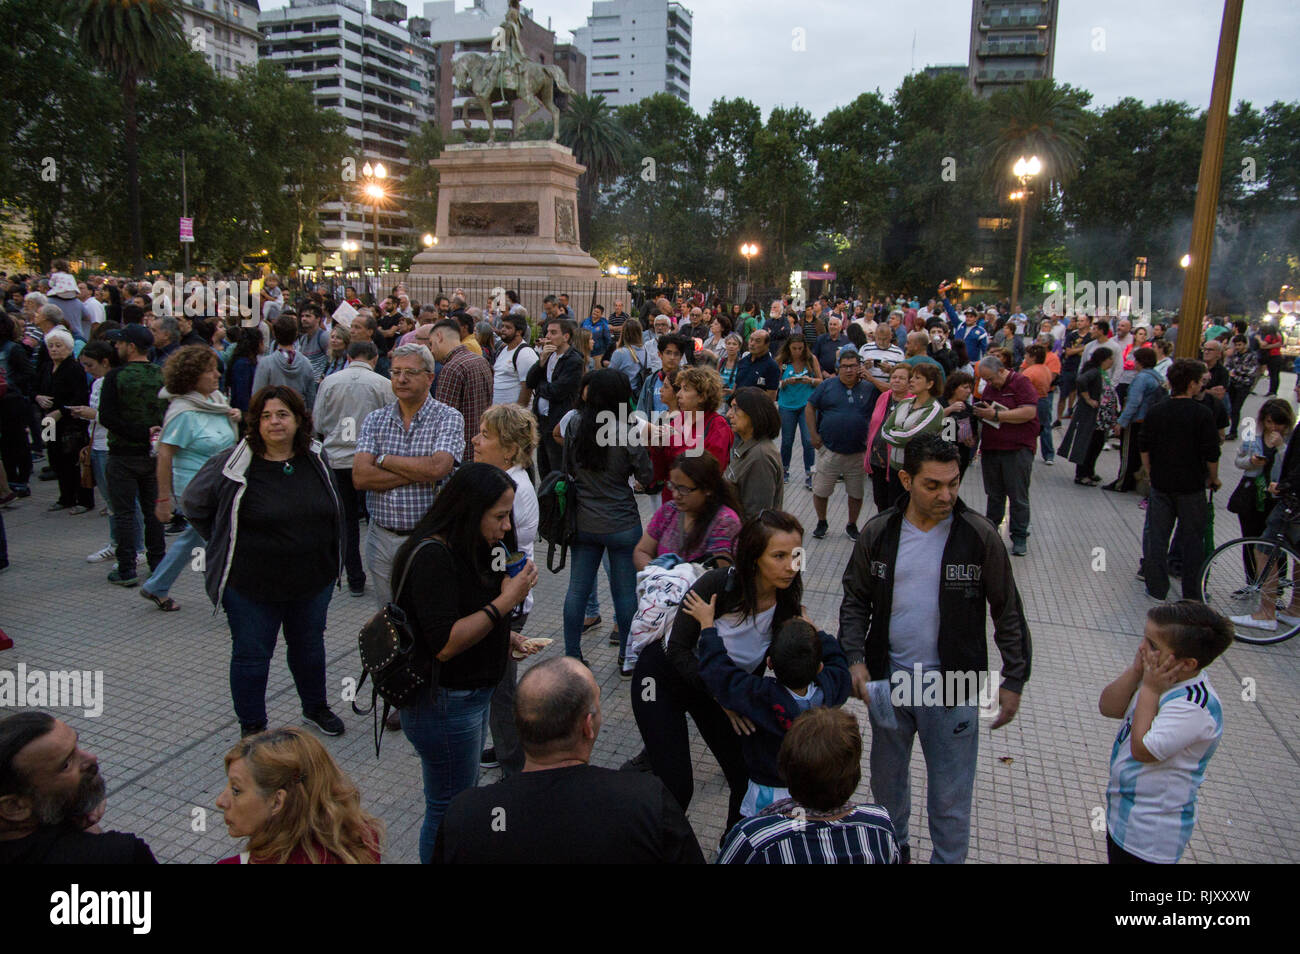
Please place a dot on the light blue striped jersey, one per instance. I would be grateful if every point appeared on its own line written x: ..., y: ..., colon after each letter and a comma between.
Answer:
x: 1151, y: 806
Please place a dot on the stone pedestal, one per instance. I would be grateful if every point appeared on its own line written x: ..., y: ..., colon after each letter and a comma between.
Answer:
x: 508, y: 218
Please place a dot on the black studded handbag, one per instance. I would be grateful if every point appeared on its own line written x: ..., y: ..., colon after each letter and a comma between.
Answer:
x: 391, y: 659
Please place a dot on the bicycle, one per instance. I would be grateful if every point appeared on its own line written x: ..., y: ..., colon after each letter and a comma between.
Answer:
x: 1246, y: 573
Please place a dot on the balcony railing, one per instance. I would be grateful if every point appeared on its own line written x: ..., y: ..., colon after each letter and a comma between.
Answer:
x: 1022, y: 48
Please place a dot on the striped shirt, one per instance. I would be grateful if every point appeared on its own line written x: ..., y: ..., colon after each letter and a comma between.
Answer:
x: 435, y: 427
x: 1151, y: 806
x: 788, y: 834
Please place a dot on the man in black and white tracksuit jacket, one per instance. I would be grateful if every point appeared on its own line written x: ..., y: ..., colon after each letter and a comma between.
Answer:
x: 921, y: 579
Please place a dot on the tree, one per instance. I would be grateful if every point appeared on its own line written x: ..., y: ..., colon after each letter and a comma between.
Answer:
x: 129, y: 39
x: 421, y: 184
x: 52, y: 173
x: 1039, y: 118
x: 591, y: 129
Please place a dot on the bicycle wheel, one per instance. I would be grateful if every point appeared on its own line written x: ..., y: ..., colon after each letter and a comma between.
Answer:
x: 1243, y: 576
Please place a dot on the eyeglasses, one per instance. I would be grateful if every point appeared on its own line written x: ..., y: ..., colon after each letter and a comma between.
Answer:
x: 402, y: 374
x: 680, y: 490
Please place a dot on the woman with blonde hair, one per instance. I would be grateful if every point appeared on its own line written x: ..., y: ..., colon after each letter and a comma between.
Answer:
x: 286, y: 795
x: 507, y: 438
x: 337, y: 359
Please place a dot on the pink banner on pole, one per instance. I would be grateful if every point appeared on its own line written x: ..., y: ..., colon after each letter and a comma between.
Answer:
x: 187, y: 230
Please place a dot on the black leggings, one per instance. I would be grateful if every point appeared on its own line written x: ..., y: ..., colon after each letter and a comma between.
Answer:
x: 15, y: 450
x: 661, y: 699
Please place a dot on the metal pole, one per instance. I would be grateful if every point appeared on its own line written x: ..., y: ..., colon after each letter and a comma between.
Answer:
x: 375, y: 293
x: 1020, y: 241
x: 1192, y: 308
x: 185, y: 210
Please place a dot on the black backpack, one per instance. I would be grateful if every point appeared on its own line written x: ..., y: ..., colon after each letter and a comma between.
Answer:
x: 557, y: 506
x: 391, y: 659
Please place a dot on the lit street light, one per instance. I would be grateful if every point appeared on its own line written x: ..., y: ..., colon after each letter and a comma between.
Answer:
x: 1024, y: 170
x: 1185, y: 261
x: 749, y: 250
x: 374, y: 190
x: 429, y: 240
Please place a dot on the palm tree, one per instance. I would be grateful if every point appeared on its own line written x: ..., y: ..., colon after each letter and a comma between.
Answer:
x: 1040, y: 119
x: 591, y: 129
x: 129, y: 39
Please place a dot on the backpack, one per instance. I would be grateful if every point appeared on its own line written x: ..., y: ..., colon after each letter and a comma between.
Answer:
x: 1107, y: 408
x: 639, y: 379
x: 389, y: 656
x: 557, y: 512
x: 514, y: 358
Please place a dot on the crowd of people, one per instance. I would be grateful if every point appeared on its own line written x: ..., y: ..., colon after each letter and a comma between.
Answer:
x: 267, y: 439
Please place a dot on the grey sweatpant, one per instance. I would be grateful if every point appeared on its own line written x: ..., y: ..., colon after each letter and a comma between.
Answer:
x: 950, y: 742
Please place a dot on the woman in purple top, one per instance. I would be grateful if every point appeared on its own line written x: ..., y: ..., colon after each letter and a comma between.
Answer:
x: 700, y: 521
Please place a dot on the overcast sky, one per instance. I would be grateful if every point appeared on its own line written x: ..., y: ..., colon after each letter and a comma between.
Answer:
x: 1153, y: 49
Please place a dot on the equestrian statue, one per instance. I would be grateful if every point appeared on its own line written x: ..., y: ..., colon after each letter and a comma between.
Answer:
x: 508, y: 73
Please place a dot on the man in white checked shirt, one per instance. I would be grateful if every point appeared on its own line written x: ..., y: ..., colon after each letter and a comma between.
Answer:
x: 403, y: 451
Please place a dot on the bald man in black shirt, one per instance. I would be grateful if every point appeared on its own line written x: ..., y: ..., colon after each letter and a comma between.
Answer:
x: 561, y: 809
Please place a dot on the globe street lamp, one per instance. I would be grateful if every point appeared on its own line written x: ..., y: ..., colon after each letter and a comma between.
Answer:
x: 374, y: 190
x: 1024, y: 170
x: 749, y: 250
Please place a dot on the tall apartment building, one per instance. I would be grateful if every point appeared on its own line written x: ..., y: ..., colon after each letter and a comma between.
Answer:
x: 470, y: 31
x: 1011, y: 41
x: 224, y: 31
x: 636, y: 48
x: 377, y: 69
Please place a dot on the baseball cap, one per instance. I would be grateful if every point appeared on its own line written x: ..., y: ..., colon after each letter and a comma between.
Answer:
x: 138, y: 335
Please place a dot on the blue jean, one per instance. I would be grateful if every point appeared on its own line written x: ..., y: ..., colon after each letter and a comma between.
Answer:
x: 950, y: 742
x: 253, y: 630
x: 178, y: 555
x: 1045, y: 443
x: 445, y: 726
x: 99, y: 464
x: 586, y: 551
x: 792, y: 419
x: 593, y: 602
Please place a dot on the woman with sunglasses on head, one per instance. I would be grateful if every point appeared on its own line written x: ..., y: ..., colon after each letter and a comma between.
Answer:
x: 288, y: 797
x: 748, y: 602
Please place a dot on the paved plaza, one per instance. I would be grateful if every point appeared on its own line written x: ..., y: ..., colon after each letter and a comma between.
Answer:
x: 1040, y: 786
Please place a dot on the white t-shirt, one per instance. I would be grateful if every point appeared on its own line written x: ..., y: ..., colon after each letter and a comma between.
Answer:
x: 94, y: 309
x: 505, y: 378
x: 525, y: 518
x: 100, y: 441
x: 746, y: 639
x: 1151, y: 806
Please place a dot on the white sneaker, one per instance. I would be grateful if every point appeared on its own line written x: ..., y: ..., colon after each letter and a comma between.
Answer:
x: 1249, y: 622
x: 99, y: 556
x: 1287, y: 618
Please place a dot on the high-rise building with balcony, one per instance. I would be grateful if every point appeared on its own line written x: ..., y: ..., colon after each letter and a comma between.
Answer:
x: 636, y: 48
x: 379, y: 71
x: 224, y: 31
x: 1011, y: 42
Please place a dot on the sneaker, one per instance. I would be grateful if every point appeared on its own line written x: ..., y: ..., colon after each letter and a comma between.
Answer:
x: 1249, y: 622
x: 176, y: 526
x: 1019, y: 548
x: 325, y: 720
x: 1050, y: 461
x: 251, y: 728
x: 819, y: 531
x: 22, y: 490
x: 357, y: 589
x: 851, y: 531
x: 1288, y: 619
x: 99, y: 556
x: 807, y: 481
x: 78, y: 510
x: 118, y: 580
x: 613, y: 636
x: 638, y: 763
x: 488, y: 759
x: 787, y: 477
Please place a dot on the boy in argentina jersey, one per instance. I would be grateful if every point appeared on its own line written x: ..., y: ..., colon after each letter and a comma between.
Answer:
x: 1172, y: 723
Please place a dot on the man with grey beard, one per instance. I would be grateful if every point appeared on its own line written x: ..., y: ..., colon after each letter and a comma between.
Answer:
x: 52, y: 798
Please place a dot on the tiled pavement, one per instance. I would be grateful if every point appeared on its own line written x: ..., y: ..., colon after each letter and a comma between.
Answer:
x: 167, y: 719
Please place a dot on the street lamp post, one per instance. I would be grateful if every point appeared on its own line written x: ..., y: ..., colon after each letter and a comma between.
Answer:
x: 1023, y: 170
x: 749, y: 250
x: 375, y: 191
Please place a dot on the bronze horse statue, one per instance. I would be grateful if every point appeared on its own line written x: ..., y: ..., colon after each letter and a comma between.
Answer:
x: 487, y: 76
